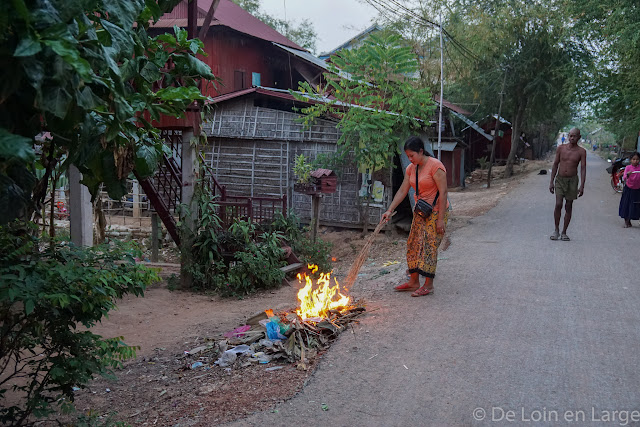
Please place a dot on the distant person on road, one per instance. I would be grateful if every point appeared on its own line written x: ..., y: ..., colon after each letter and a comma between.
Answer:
x: 630, y: 202
x: 426, y: 233
x: 563, y: 138
x: 565, y: 185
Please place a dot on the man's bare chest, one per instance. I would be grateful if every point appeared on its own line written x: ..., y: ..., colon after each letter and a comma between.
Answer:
x: 570, y: 156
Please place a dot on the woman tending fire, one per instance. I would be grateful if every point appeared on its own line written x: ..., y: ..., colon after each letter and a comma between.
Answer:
x: 426, y: 231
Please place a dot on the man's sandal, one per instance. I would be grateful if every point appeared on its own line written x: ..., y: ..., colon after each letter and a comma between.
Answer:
x: 405, y: 287
x: 423, y: 292
x: 555, y: 235
x: 565, y: 238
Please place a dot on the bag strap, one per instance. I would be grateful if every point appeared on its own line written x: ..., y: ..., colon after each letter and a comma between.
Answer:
x: 418, y: 191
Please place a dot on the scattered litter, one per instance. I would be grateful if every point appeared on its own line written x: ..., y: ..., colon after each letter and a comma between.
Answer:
x: 388, y: 263
x: 373, y: 355
x: 74, y: 388
x: 274, y: 368
x: 108, y: 390
x: 405, y: 367
x: 442, y: 257
x: 197, y: 365
x: 380, y: 274
x: 163, y: 392
x: 237, y: 332
x: 197, y: 350
x: 325, y: 407
x: 273, y: 331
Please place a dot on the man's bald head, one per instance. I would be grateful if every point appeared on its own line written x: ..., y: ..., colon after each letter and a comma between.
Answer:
x: 574, y: 136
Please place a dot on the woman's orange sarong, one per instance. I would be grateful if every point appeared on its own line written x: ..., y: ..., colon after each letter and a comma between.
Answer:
x: 422, y: 244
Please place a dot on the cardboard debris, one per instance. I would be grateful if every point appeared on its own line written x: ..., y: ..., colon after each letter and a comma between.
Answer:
x: 304, y: 339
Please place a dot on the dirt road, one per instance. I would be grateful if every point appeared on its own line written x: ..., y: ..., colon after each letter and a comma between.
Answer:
x: 545, y: 329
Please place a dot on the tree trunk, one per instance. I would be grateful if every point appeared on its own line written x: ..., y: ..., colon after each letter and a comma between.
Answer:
x: 100, y: 220
x: 515, y: 138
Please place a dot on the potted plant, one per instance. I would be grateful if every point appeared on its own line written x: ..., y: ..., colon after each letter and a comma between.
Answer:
x: 305, y: 183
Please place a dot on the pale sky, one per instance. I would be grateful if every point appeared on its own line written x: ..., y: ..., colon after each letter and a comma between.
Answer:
x: 335, y: 21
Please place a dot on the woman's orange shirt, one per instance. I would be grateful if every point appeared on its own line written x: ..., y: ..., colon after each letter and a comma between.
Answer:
x: 427, y: 187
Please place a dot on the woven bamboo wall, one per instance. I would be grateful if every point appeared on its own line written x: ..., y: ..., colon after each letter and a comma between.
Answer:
x: 252, y: 151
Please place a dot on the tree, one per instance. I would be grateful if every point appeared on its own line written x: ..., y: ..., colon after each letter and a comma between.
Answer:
x: 86, y: 73
x: 377, y: 99
x: 609, y: 29
x: 528, y: 42
x: 303, y: 33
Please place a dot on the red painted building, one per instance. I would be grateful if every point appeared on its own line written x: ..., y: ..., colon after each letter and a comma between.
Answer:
x: 480, y: 146
x: 243, y: 51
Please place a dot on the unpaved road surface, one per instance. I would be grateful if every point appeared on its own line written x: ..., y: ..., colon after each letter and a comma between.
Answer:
x: 546, y: 329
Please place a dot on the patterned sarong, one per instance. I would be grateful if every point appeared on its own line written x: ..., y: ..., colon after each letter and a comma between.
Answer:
x: 422, y: 244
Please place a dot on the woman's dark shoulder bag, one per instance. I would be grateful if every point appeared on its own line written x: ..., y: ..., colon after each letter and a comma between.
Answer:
x: 423, y: 208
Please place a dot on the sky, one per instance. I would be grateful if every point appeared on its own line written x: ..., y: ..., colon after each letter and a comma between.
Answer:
x: 335, y: 21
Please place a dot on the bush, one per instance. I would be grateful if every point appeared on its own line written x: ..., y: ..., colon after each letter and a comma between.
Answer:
x: 246, y: 257
x: 46, y: 295
x: 297, y: 237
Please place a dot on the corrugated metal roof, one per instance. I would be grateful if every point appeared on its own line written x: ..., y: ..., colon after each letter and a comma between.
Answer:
x: 445, y: 146
x: 229, y: 15
x: 314, y: 60
x: 451, y: 106
x: 273, y: 92
x: 319, y: 173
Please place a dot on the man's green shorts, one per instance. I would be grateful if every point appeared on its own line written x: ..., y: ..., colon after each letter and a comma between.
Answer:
x: 567, y: 187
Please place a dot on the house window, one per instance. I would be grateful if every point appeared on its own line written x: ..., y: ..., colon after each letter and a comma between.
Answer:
x: 255, y: 79
x: 238, y: 80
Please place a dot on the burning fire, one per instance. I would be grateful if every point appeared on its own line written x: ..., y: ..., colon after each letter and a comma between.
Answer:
x: 317, y: 303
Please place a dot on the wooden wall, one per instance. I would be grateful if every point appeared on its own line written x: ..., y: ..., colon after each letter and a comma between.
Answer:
x: 252, y: 152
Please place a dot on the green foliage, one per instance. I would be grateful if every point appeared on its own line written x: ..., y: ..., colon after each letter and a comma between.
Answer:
x: 528, y: 46
x: 302, y: 169
x: 82, y: 71
x: 297, y: 237
x: 233, y: 262
x: 379, y: 81
x: 483, y: 162
x: 48, y: 299
x: 245, y: 257
x: 609, y: 28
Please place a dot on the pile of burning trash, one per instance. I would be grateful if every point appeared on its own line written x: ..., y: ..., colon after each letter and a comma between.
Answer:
x: 294, y: 336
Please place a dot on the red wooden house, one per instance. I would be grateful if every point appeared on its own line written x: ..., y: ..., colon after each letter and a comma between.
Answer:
x: 480, y: 146
x: 244, y: 51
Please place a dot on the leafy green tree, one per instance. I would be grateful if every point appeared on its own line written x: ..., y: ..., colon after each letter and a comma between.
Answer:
x: 48, y: 300
x: 303, y: 33
x: 377, y: 99
x: 609, y: 29
x: 86, y: 72
x: 529, y: 44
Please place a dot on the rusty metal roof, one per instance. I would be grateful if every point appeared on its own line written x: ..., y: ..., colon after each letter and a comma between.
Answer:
x: 319, y: 173
x: 227, y: 14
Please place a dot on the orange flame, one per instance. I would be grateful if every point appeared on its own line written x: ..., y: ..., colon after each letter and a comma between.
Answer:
x: 318, y: 302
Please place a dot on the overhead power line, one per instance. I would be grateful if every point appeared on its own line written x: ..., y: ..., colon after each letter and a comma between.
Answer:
x: 403, y: 12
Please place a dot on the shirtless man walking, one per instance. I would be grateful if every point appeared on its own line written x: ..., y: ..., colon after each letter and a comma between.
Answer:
x: 565, y: 185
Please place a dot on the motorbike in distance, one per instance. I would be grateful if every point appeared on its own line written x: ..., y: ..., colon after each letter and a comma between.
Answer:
x: 615, y: 170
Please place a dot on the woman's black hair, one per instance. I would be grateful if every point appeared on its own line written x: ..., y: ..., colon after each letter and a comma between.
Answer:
x: 415, y: 143
x: 634, y: 154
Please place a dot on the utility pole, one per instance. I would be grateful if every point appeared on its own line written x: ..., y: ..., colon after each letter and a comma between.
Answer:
x: 441, y: 91
x: 495, y: 132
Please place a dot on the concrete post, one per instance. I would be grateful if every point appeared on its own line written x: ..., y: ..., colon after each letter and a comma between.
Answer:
x: 189, y: 174
x: 80, y: 210
x: 189, y: 177
x: 155, y: 228
x: 136, y: 199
